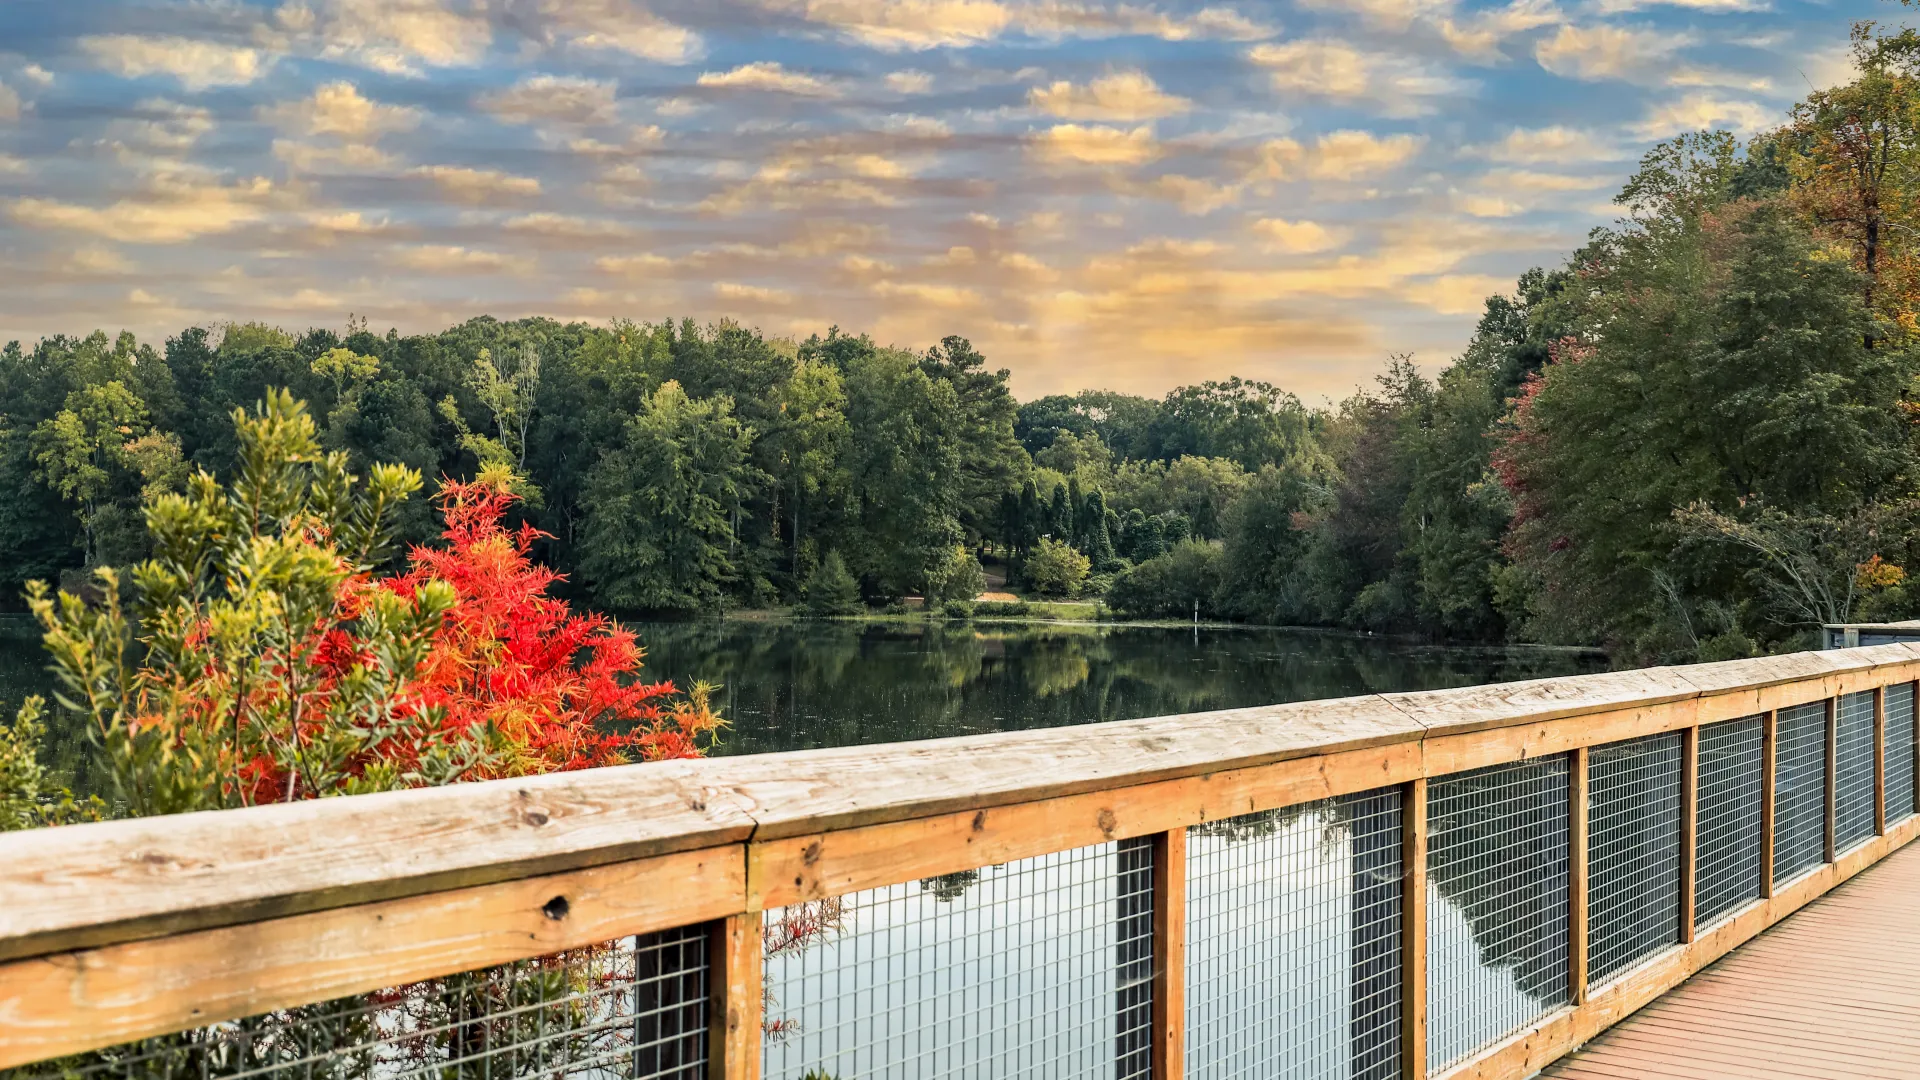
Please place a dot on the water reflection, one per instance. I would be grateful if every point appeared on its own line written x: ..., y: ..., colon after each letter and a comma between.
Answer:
x: 788, y: 686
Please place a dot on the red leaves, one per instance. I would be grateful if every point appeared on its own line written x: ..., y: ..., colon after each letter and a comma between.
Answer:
x: 561, y: 687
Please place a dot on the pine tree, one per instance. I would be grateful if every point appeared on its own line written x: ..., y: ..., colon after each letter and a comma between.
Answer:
x: 831, y: 590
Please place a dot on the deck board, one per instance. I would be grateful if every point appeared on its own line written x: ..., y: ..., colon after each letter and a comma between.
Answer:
x: 1833, y: 992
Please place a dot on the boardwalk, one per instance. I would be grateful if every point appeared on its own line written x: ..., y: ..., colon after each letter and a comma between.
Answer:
x: 1832, y: 992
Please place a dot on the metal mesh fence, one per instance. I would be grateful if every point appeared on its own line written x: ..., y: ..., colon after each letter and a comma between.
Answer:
x: 1293, y: 942
x: 1633, y: 846
x: 1496, y: 904
x: 1800, y: 791
x: 1900, y: 750
x: 1853, y: 770
x: 635, y: 1009
x: 1036, y: 968
x: 1727, y: 841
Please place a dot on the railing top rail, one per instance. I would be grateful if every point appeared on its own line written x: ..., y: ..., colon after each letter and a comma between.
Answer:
x: 90, y: 885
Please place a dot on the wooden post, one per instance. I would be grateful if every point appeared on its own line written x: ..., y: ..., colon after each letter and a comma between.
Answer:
x: 1769, y: 758
x: 738, y: 1000
x: 1879, y: 761
x: 1169, y: 954
x: 1577, y: 878
x: 1689, y: 826
x: 1413, y: 932
x: 1833, y: 776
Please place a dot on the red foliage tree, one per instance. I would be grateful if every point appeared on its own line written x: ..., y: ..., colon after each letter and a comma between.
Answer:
x: 562, y: 688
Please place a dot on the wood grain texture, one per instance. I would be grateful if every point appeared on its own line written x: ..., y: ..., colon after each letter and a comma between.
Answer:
x: 70, y: 1002
x: 736, y: 976
x: 1413, y: 932
x: 1169, y: 1047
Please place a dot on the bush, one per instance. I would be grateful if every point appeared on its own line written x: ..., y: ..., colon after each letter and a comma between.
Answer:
x: 1055, y: 568
x: 831, y: 590
x: 1168, y: 585
x: 956, y: 609
x: 956, y: 576
x: 1002, y: 608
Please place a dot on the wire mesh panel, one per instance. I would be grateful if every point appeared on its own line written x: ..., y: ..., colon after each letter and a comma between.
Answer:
x: 634, y: 1009
x: 1900, y: 750
x: 1800, y: 791
x: 1853, y: 770
x: 1728, y: 821
x: 1293, y: 943
x: 1633, y: 852
x: 1037, y: 968
x: 1497, y: 860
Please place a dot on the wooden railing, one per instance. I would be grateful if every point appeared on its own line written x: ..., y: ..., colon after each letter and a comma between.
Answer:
x: 133, y: 929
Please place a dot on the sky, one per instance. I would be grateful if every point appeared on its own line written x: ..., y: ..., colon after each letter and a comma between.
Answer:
x: 1130, y: 195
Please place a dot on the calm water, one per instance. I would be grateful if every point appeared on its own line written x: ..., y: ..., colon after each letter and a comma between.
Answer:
x: 797, y: 685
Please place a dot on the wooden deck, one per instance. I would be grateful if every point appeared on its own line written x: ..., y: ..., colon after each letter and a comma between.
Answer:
x: 1833, y: 991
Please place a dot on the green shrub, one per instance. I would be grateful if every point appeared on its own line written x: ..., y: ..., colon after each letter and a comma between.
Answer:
x: 1055, y: 568
x: 1168, y: 585
x: 1002, y: 608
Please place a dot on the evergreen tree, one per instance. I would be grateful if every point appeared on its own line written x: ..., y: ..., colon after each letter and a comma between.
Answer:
x: 831, y: 590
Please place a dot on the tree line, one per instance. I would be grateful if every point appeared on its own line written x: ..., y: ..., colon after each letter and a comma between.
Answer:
x: 1693, y: 439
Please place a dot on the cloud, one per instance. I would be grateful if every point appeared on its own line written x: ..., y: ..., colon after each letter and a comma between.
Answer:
x: 171, y: 211
x: 752, y: 294
x: 1122, y: 96
x: 99, y: 260
x: 450, y: 259
x: 477, y: 185
x: 554, y: 99
x: 1297, y: 237
x: 940, y: 296
x: 399, y: 37
x: 909, y: 82
x: 1480, y: 37
x: 9, y: 104
x: 546, y: 223
x: 36, y: 74
x: 1397, y: 85
x: 339, y: 109
x: 196, y: 64
x: 1615, y: 7
x: 1593, y: 53
x: 621, y: 26
x: 1387, y: 14
x: 1456, y: 294
x: 769, y: 76
x: 1557, y: 145
x: 1338, y: 155
x: 1095, y: 145
x: 1697, y: 111
x: 896, y: 25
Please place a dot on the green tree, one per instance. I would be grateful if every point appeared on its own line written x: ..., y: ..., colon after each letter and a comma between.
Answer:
x: 831, y: 590
x: 83, y: 454
x: 906, y: 487
x: 1055, y: 568
x: 957, y: 577
x: 659, y: 532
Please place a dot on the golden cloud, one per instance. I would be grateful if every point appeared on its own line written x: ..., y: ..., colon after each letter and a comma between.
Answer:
x: 172, y: 211
x: 477, y: 185
x: 197, y: 64
x: 1095, y: 145
x: 1123, y: 96
x: 554, y: 99
x: 769, y: 76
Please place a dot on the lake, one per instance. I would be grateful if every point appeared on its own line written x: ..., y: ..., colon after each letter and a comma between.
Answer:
x: 797, y: 685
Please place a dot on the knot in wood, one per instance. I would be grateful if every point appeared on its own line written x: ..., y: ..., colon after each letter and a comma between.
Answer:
x: 556, y: 908
x: 535, y: 817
